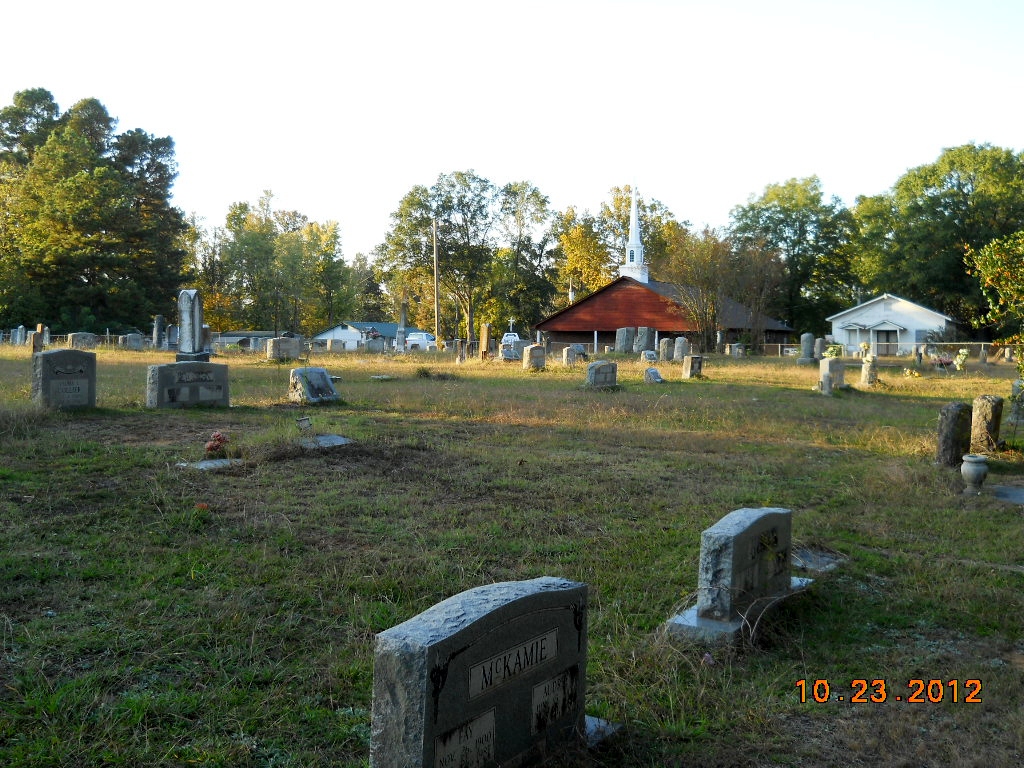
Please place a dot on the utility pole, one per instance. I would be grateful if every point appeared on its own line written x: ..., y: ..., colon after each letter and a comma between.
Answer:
x: 437, y: 293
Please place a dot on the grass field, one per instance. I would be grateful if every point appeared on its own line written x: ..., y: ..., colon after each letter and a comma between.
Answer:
x: 152, y: 615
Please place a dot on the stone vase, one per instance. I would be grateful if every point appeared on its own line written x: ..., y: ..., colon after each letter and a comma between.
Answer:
x: 974, y: 471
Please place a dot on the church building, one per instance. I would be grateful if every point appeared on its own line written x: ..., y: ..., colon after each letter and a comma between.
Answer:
x: 633, y: 300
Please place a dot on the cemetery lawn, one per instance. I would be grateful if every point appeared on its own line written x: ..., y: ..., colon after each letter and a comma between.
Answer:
x: 162, y: 616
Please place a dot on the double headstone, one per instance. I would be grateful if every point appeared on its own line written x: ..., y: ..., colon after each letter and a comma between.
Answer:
x: 311, y: 385
x: 285, y: 348
x: 493, y: 676
x: 64, y: 378
x: 602, y: 375
x: 179, y: 385
x: 744, y: 568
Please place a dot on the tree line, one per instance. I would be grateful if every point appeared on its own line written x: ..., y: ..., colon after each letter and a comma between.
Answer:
x: 89, y: 240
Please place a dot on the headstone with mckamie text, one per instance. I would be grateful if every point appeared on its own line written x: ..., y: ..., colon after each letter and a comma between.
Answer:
x: 64, y: 378
x: 493, y: 676
x: 186, y: 384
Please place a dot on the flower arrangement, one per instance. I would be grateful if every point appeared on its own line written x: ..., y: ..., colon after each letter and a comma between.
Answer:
x: 215, y: 446
x: 910, y: 373
x: 833, y: 350
x: 942, y: 360
x: 960, y: 362
x: 865, y: 347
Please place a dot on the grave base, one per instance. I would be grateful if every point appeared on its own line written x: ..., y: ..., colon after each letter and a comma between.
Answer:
x: 192, y: 357
x: 688, y: 625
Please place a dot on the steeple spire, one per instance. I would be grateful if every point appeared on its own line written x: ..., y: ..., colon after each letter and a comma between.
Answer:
x: 633, y: 264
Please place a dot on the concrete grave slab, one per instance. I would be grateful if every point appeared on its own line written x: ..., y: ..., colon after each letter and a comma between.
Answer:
x: 180, y: 385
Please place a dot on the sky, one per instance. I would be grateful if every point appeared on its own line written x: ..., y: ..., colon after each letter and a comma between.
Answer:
x: 340, y: 108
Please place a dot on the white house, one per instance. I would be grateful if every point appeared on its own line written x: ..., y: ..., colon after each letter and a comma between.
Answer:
x: 890, y: 324
x: 344, y: 333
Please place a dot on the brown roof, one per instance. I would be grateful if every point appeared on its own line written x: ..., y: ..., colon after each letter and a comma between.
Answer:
x: 626, y: 302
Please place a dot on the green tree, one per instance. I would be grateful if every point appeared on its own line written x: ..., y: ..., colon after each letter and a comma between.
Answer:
x: 912, y: 240
x: 700, y: 268
x: 656, y: 222
x: 999, y: 268
x: 585, y: 262
x: 811, y: 236
x: 87, y: 220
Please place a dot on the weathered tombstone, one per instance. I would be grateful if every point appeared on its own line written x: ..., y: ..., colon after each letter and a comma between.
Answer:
x: 648, y: 356
x: 869, y: 371
x: 665, y: 349
x: 825, y: 383
x: 644, y: 339
x: 819, y: 348
x: 122, y: 341
x: 985, y: 420
x: 207, y: 335
x: 719, y: 341
x: 1016, y: 405
x: 534, y: 358
x: 178, y: 385
x: 692, y: 366
x: 311, y: 385
x: 493, y: 676
x: 372, y: 345
x: 983, y: 354
x: 284, y: 348
x: 46, y: 335
x: 1008, y: 354
x: 602, y: 375
x: 21, y: 335
x: 954, y: 434
x: 624, y: 340
x: 744, y: 568
x: 171, y: 339
x: 190, y: 327
x: 835, y: 368
x: 485, y: 341
x: 64, y: 378
x: 133, y: 341
x: 335, y: 345
x: 570, y: 356
x: 159, y: 328
x: 81, y: 340
x: 682, y: 348
x: 653, y: 376
x: 806, y: 349
x: 35, y: 341
x: 738, y: 350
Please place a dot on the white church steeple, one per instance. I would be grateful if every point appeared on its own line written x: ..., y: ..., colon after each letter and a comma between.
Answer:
x: 633, y: 264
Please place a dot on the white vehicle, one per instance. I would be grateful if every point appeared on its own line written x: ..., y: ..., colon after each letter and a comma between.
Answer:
x: 510, y: 339
x: 420, y: 341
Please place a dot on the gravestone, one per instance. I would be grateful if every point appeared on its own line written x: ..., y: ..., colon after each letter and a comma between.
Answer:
x: 738, y: 350
x: 81, y: 340
x: 624, y: 340
x: 745, y: 561
x: 665, y: 349
x: 485, y: 341
x: 983, y: 354
x: 35, y: 341
x: 159, y: 328
x: 648, y: 356
x: 64, y: 378
x: 644, y: 339
x: 653, y: 376
x: 184, y: 384
x: 682, y: 348
x: 835, y: 368
x: 190, y: 328
x: 806, y: 349
x: 21, y: 335
x: 284, y: 348
x: 602, y: 375
x: 534, y: 357
x: 509, y: 353
x: 493, y: 676
x: 311, y: 385
x: 1016, y: 416
x: 374, y: 346
x: 819, y: 349
x: 869, y: 371
x: 985, y: 420
x: 954, y: 434
x: 569, y: 356
x: 46, y: 335
x: 335, y: 345
x: 133, y: 342
x: 692, y: 366
x: 171, y: 339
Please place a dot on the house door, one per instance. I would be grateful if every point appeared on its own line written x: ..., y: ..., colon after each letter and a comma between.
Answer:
x: 887, y: 342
